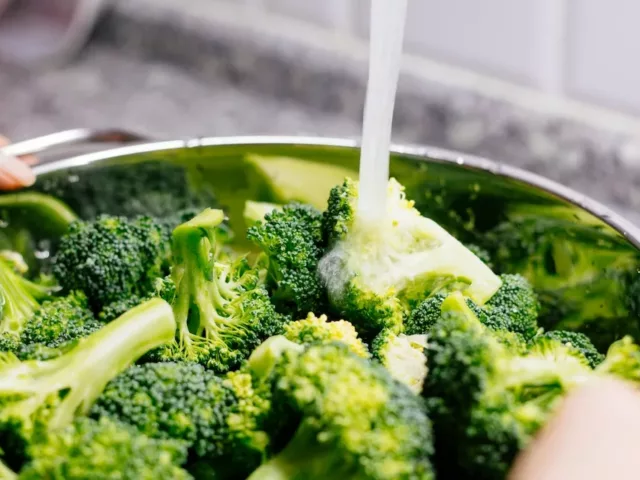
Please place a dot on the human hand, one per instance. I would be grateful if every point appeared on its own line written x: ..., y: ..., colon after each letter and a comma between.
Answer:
x: 595, y: 435
x: 15, y: 173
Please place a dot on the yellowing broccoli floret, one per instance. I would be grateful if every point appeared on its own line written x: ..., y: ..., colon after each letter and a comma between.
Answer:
x: 375, y: 272
x: 319, y: 330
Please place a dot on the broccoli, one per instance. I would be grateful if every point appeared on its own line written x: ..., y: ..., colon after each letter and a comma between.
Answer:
x: 352, y: 419
x: 61, y: 320
x: 424, y: 315
x: 486, y: 400
x: 376, y: 273
x: 41, y: 396
x: 291, y: 239
x: 514, y: 307
x: 580, y: 342
x: 403, y: 356
x: 104, y: 450
x: 584, y: 276
x: 19, y: 298
x: 111, y: 258
x: 319, y: 330
x: 186, y: 403
x: 163, y: 288
x: 222, y: 309
x: 155, y: 188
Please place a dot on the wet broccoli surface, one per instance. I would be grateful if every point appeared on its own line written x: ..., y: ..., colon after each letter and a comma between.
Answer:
x: 158, y: 344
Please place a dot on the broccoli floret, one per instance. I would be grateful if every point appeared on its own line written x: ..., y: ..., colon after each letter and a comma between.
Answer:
x: 376, y: 272
x: 314, y: 329
x: 111, y: 258
x: 19, y: 298
x: 351, y: 419
x: 117, y: 308
x: 514, y: 342
x: 291, y: 239
x: 514, y: 307
x: 104, y: 450
x: 486, y: 400
x: 222, y: 310
x: 580, y: 342
x: 9, y: 342
x: 61, y: 320
x: 155, y: 188
x: 217, y: 419
x: 41, y: 396
x: 424, y: 316
x: 403, y: 356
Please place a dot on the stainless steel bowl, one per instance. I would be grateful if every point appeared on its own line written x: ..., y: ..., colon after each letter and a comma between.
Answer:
x: 476, y: 190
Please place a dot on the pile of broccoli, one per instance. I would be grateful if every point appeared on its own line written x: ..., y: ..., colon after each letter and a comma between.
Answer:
x: 151, y: 348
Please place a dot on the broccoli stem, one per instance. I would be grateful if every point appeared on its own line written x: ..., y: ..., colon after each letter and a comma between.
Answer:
x: 88, y: 367
x: 18, y: 299
x: 39, y: 212
x: 303, y: 457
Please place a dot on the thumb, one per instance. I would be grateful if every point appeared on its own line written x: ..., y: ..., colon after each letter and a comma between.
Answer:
x: 595, y: 435
x: 14, y: 173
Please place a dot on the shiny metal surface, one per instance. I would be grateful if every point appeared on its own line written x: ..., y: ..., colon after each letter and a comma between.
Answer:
x: 69, y: 138
x: 526, y: 183
x: 467, y: 195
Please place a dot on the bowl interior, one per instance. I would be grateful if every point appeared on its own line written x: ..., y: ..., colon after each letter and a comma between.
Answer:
x: 584, y: 249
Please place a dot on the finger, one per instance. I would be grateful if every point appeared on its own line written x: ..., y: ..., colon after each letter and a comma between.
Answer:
x: 28, y: 159
x: 595, y: 435
x: 14, y: 173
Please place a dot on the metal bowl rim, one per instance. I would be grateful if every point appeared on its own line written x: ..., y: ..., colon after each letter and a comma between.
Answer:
x: 418, y: 152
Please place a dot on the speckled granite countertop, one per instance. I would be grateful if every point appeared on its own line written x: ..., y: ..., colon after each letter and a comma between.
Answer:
x: 169, y: 74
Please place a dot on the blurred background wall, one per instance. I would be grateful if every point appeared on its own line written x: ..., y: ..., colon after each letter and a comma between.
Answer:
x: 546, y: 85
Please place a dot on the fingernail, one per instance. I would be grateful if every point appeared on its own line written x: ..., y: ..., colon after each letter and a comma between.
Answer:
x: 17, y: 170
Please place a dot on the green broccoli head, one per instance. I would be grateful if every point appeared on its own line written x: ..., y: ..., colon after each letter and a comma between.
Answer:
x: 19, y: 298
x: 291, y: 239
x: 178, y: 401
x: 376, y: 273
x: 314, y: 330
x: 352, y: 419
x: 488, y: 399
x: 222, y: 310
x: 103, y: 450
x: 578, y: 341
x: 514, y: 307
x: 41, y: 396
x: 111, y: 258
x: 158, y: 188
x: 403, y: 356
x: 424, y: 316
x: 60, y: 321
